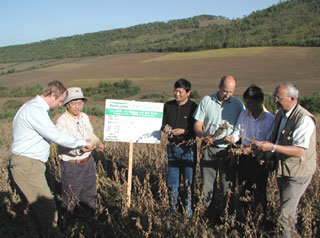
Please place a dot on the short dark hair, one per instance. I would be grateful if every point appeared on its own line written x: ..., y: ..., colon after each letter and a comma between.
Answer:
x: 55, y: 87
x: 253, y: 92
x: 183, y: 83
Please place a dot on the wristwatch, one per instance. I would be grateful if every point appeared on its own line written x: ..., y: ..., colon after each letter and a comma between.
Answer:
x: 273, y: 148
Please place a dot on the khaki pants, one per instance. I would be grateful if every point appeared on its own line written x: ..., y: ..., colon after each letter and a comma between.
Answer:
x: 29, y: 175
x: 291, y: 190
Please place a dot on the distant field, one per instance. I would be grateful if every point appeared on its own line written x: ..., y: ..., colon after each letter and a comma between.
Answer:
x: 209, y: 54
x: 156, y: 72
x: 142, y: 82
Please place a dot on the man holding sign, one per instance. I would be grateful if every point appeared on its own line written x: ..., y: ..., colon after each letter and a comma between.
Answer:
x: 178, y: 124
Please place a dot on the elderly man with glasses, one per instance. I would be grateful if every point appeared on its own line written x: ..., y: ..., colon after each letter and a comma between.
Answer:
x: 78, y: 179
x: 293, y: 142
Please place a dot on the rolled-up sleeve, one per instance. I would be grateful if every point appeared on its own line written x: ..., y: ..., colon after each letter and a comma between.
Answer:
x: 302, y: 134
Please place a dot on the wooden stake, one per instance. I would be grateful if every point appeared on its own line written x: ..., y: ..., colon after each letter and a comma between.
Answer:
x: 129, y: 174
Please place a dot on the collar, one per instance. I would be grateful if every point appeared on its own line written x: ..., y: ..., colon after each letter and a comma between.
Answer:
x: 288, y: 113
x: 182, y: 104
x: 216, y: 98
x: 69, y: 115
x: 43, y: 103
x: 261, y: 115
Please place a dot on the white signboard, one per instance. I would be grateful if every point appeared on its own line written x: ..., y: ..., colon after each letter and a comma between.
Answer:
x: 132, y: 121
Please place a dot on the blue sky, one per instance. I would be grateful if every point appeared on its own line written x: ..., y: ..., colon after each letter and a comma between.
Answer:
x: 26, y: 21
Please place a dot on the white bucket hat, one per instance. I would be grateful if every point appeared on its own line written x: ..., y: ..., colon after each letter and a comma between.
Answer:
x: 73, y: 94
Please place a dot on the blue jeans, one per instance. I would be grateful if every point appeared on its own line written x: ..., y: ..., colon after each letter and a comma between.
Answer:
x: 181, y: 160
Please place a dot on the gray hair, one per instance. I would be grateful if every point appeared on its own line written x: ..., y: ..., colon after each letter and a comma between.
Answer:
x: 292, y: 89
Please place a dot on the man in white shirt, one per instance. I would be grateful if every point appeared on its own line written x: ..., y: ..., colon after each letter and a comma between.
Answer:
x: 32, y: 132
x: 254, y: 123
x: 294, y: 143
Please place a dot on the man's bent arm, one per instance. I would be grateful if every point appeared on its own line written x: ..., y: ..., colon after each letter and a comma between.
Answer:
x: 198, y: 128
x: 288, y: 150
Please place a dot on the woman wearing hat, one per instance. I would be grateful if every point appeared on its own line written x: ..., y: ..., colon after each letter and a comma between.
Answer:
x: 78, y: 178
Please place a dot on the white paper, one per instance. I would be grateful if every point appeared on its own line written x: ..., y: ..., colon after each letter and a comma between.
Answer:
x: 132, y: 121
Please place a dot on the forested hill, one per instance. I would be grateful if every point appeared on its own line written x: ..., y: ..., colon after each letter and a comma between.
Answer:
x: 289, y: 23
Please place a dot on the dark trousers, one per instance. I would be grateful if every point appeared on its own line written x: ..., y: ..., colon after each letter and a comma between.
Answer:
x: 78, y: 183
x: 253, y: 177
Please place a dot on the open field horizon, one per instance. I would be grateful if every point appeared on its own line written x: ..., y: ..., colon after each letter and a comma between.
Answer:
x: 156, y: 72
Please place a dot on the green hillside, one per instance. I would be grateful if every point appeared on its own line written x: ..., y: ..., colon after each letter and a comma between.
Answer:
x: 289, y: 23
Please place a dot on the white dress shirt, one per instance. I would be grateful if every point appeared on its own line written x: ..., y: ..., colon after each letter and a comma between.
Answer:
x: 303, y: 131
x: 248, y: 127
x: 33, y: 130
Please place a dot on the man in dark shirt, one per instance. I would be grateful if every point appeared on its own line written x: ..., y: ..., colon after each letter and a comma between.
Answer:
x: 178, y: 123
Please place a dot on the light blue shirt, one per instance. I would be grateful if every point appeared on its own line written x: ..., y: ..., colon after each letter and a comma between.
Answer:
x: 33, y: 130
x: 248, y: 127
x: 213, y: 114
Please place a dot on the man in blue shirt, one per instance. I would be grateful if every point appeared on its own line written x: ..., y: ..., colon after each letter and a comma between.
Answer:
x: 213, y: 111
x: 32, y: 132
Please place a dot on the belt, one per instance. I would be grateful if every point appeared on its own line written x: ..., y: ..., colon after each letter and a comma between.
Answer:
x: 77, y: 161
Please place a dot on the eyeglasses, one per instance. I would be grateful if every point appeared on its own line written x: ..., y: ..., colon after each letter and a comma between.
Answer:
x: 277, y: 99
x: 73, y: 104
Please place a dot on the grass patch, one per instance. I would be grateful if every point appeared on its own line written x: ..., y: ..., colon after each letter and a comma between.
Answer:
x: 209, y: 54
x: 94, y: 82
x: 90, y: 82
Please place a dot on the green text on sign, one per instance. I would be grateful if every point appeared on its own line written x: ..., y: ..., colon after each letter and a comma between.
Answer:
x: 133, y: 113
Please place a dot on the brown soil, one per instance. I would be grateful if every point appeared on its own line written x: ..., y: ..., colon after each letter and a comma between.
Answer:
x: 295, y: 64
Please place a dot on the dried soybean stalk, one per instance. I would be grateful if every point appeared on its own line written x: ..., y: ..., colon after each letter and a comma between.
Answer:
x: 217, y: 133
x: 241, y: 150
x: 186, y: 142
x: 238, y: 150
x: 167, y: 131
